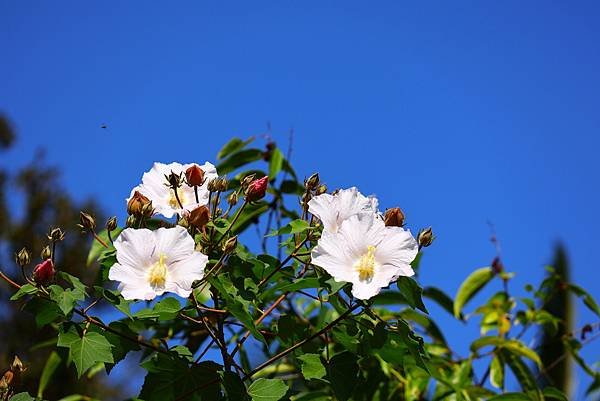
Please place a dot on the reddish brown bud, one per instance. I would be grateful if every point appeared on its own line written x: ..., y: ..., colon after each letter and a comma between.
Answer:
x: 199, y: 217
x: 497, y: 265
x: 425, y: 237
x: 257, y: 189
x: 86, y: 221
x: 194, y: 176
x: 44, y: 272
x: 137, y: 205
x: 394, y: 217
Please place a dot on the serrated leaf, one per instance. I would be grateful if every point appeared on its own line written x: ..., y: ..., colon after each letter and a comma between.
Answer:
x: 497, y: 372
x: 65, y: 299
x: 267, y: 389
x: 411, y: 291
x: 50, y: 367
x: 312, y: 367
x: 26, y: 289
x: 471, y: 286
x: 86, y: 350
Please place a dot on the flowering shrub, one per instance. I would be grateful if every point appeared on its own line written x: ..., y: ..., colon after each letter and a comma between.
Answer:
x: 328, y: 295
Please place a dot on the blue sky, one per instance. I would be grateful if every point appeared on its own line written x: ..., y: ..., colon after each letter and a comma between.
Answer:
x: 461, y: 113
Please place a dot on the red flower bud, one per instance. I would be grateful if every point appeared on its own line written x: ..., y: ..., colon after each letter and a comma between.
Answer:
x: 257, y: 189
x: 44, y: 272
x: 194, y: 176
x: 199, y: 217
x: 394, y: 217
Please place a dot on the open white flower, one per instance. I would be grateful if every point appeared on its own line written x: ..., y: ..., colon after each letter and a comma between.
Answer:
x: 332, y: 210
x: 163, y: 198
x: 366, y: 253
x: 150, y: 263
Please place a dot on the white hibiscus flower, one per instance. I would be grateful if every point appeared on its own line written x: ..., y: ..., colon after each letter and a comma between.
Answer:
x: 150, y: 263
x: 163, y: 198
x: 366, y: 253
x: 332, y: 210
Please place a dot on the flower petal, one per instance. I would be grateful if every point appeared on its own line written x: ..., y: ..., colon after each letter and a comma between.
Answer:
x: 183, y: 273
x: 174, y: 243
x: 135, y: 247
x: 132, y: 282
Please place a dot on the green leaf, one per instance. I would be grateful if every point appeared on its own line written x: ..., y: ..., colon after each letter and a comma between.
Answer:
x: 267, y: 389
x: 50, y: 367
x: 588, y: 300
x: 471, y: 286
x: 26, y: 289
x: 97, y: 250
x: 293, y: 227
x: 554, y: 393
x: 441, y: 298
x: 239, y: 159
x: 234, y: 386
x: 21, y: 397
x: 250, y: 214
x: 411, y: 291
x: 275, y: 163
x: 497, y: 372
x: 518, y: 348
x: 65, y: 299
x: 120, y: 346
x: 414, y: 344
x: 510, y: 397
x: 86, y: 350
x: 167, y: 309
x: 342, y: 373
x: 170, y: 378
x: 523, y: 374
x: 43, y: 310
x: 312, y: 367
x: 233, y: 145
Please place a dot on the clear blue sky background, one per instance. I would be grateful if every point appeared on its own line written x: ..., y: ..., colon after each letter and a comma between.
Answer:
x: 459, y: 112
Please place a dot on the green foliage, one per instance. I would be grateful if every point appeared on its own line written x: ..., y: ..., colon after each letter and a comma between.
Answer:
x: 85, y: 349
x: 267, y: 390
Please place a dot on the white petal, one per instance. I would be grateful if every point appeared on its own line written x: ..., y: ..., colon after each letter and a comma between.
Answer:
x: 135, y: 247
x: 397, y: 248
x: 361, y: 231
x: 132, y: 282
x: 175, y: 243
x: 183, y: 273
x: 321, y: 207
x: 363, y: 290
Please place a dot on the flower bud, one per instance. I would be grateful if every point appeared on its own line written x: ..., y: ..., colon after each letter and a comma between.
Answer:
x: 247, y: 181
x: 232, y: 199
x: 137, y: 203
x: 17, y: 365
x: 111, y: 224
x: 199, y: 217
x: 321, y: 189
x: 213, y: 185
x: 222, y: 184
x: 257, y: 189
x: 230, y: 245
x: 394, y: 217
x: 46, y: 252
x: 174, y: 180
x: 86, y: 221
x: 194, y: 176
x: 56, y: 234
x: 44, y: 272
x: 312, y: 182
x: 131, y: 221
x: 497, y: 265
x: 23, y: 257
x: 147, y: 209
x: 425, y: 237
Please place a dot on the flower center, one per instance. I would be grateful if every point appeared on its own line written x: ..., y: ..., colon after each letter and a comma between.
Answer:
x: 173, y: 199
x: 366, y: 265
x: 157, y: 276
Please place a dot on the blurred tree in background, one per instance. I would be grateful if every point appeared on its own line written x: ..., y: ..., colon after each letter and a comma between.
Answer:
x: 42, y: 205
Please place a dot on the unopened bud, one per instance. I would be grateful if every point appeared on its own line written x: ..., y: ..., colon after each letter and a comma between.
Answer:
x: 56, y: 234
x: 147, y: 209
x: 6, y: 381
x: 394, y: 217
x: 46, y: 252
x: 194, y: 176
x: 257, y: 189
x: 199, y: 217
x: 17, y: 365
x: 174, y: 180
x: 111, y: 224
x: 86, y: 221
x: 183, y: 222
x: 425, y: 237
x: 321, y: 189
x: 23, y: 257
x: 230, y: 245
x: 222, y: 184
x: 131, y: 221
x: 232, y: 199
x: 44, y: 272
x: 247, y: 181
x: 497, y: 265
x: 136, y: 203
x: 213, y: 185
x: 312, y: 182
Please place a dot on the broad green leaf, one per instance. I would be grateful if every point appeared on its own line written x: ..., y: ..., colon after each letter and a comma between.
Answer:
x: 471, y: 286
x: 275, y: 163
x: 239, y: 159
x: 441, y: 298
x: 554, y: 393
x: 312, y: 367
x: 233, y: 145
x: 588, y: 300
x: 171, y: 378
x: 98, y: 250
x: 43, y: 310
x: 120, y: 346
x: 497, y: 372
x: 523, y: 374
x: 293, y: 227
x: 250, y: 214
x: 234, y: 386
x: 65, y: 299
x: 26, y: 289
x: 22, y: 397
x: 52, y: 363
x: 414, y: 344
x: 267, y: 389
x: 86, y: 350
x: 342, y: 373
x: 167, y: 309
x: 518, y: 348
x: 411, y: 291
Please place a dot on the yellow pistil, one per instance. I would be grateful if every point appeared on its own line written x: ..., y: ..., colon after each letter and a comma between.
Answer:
x: 158, y: 273
x: 173, y: 200
x: 366, y: 265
